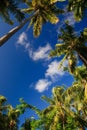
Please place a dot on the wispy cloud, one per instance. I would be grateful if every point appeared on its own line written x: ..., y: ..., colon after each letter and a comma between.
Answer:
x: 53, y: 71
x: 23, y: 40
x: 52, y: 74
x: 40, y: 54
x: 42, y: 85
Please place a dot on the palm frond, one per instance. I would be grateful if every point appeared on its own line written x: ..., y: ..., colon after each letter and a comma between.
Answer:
x: 37, y: 26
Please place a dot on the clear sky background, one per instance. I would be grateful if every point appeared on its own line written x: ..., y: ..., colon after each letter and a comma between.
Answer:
x: 26, y: 70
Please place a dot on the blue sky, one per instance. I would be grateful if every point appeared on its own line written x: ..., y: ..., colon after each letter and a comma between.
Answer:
x: 26, y: 70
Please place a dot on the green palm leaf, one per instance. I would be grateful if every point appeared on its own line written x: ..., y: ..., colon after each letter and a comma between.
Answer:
x: 78, y: 7
x: 46, y: 12
x: 72, y: 48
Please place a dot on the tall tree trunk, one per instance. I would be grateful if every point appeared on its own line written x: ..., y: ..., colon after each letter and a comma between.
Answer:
x: 82, y: 58
x: 7, y: 36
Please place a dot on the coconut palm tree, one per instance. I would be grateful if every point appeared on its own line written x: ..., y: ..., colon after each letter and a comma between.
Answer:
x: 9, y: 115
x: 46, y: 11
x: 39, y: 13
x: 72, y: 47
x: 7, y: 119
x: 66, y: 109
x: 8, y: 7
x: 80, y: 75
x: 78, y: 7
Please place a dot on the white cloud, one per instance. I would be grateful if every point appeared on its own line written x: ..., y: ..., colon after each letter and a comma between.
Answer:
x: 42, y: 85
x: 23, y: 40
x: 41, y: 53
x: 53, y: 70
x: 52, y: 73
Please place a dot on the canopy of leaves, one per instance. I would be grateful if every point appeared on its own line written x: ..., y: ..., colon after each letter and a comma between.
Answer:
x: 67, y: 110
x: 79, y: 8
x: 10, y: 6
x: 72, y: 46
x: 43, y: 11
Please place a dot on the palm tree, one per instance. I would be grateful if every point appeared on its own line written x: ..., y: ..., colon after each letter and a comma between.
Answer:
x: 10, y: 6
x: 72, y: 47
x: 80, y: 75
x: 78, y: 7
x: 7, y: 118
x: 66, y: 109
x: 9, y: 115
x: 39, y: 13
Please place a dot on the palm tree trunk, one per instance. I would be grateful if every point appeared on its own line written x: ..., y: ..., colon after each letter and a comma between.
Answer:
x: 82, y: 55
x: 83, y: 59
x: 7, y: 36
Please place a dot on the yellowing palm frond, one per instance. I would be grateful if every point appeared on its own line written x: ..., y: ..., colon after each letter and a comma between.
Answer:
x: 37, y: 26
x: 54, y: 1
x: 28, y: 10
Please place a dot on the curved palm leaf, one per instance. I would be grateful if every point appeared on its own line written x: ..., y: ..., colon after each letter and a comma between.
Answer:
x: 39, y: 13
x: 78, y: 7
x: 73, y: 46
x: 46, y: 11
x: 10, y: 6
x: 67, y: 108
